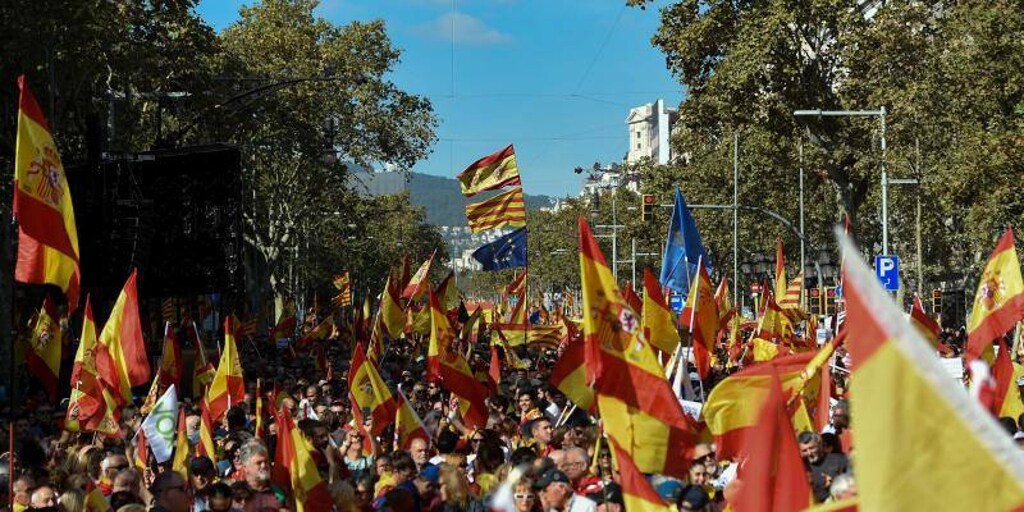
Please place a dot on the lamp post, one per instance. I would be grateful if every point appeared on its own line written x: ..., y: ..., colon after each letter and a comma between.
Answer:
x: 880, y: 113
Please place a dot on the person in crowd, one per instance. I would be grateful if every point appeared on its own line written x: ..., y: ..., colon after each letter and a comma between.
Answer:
x: 821, y: 467
x: 73, y: 500
x: 170, y: 493
x: 44, y: 497
x: 256, y: 469
x: 111, y: 465
x: 202, y: 476
x: 556, y: 493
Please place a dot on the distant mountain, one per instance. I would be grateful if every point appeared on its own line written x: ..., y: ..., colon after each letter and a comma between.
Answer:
x: 440, y: 196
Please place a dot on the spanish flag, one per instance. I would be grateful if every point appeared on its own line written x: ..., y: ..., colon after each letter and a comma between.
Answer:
x: 391, y: 310
x: 43, y: 358
x: 447, y: 293
x: 659, y: 328
x: 780, y: 270
x: 318, y: 333
x: 179, y: 464
x: 47, y: 236
x: 637, y: 493
x: 228, y: 386
x: 407, y: 424
x: 924, y: 323
x: 1005, y: 372
x: 632, y: 299
x: 206, y: 426
x: 635, y: 400
x: 367, y: 390
x: 171, y: 364
x: 92, y: 405
x: 494, y: 171
x: 774, y: 325
x: 701, y: 316
x: 898, y: 388
x: 122, y: 360
x: 445, y: 363
x: 507, y: 209
x: 204, y: 369
x: 999, y: 303
x: 724, y: 301
x: 569, y: 374
x: 284, y: 329
x: 733, y: 405
x: 415, y: 288
x: 773, y: 476
x: 295, y: 470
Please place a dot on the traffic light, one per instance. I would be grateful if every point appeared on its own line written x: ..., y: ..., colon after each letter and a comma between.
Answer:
x: 648, y: 207
x: 936, y: 301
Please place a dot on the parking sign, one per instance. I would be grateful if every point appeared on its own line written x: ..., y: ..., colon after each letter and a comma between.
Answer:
x: 887, y: 269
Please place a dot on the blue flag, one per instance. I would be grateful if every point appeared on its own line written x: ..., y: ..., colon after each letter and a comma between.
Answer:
x: 683, y: 248
x: 508, y: 251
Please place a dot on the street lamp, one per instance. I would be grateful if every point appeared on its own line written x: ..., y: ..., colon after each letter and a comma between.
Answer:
x: 880, y: 113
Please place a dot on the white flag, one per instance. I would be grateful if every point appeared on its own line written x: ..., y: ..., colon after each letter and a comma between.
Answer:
x: 161, y: 425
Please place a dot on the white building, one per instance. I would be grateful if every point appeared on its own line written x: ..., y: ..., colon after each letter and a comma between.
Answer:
x: 649, y: 128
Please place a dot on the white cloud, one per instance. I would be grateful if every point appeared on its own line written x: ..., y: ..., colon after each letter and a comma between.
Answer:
x: 467, y: 30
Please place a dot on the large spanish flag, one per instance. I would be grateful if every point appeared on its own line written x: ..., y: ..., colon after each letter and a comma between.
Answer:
x: 1005, y: 372
x: 43, y: 356
x: 701, y: 316
x: 408, y: 425
x: 773, y: 476
x: 999, y: 302
x: 445, y: 362
x: 634, y: 398
x: 295, y: 470
x: 494, y: 171
x: 507, y: 209
x: 924, y: 323
x: 569, y: 374
x: 367, y: 390
x: 122, y: 360
x: 418, y: 284
x: 47, y: 236
x: 733, y: 406
x: 391, y: 312
x: 92, y: 405
x: 637, y: 493
x: 228, y: 386
x: 897, y: 390
x: 659, y: 328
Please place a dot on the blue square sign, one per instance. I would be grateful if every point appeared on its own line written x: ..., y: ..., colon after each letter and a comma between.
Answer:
x: 676, y: 302
x: 887, y: 269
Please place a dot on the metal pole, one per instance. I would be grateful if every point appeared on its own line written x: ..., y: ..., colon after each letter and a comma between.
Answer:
x: 736, y: 218
x: 634, y: 260
x: 8, y: 249
x: 885, y: 190
x: 800, y: 150
x: 917, y: 221
x: 615, y: 239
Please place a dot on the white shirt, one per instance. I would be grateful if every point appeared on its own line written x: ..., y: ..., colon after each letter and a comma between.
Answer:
x: 581, y: 504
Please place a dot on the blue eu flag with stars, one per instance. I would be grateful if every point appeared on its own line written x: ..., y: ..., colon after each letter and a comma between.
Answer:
x: 683, y: 248
x: 509, y: 251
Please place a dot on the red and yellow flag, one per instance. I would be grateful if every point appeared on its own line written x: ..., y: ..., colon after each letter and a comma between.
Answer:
x: 792, y: 303
x: 774, y: 325
x: 635, y: 400
x: 518, y: 284
x: 284, y: 329
x: 43, y: 356
x: 171, y: 364
x: 179, y: 464
x: 228, y: 386
x: 204, y: 371
x: 295, y: 470
x: 1005, y: 372
x: 569, y: 374
x: 122, y: 360
x: 494, y: 171
x: 700, y: 315
x: 780, y: 270
x: 447, y: 293
x: 773, y: 476
x: 206, y: 426
x: 259, y: 430
x: 999, y: 303
x: 924, y: 323
x: 344, y: 286
x: 367, y: 390
x: 418, y: 284
x: 408, y: 425
x: 659, y: 328
x: 897, y: 388
x: 446, y: 363
x: 391, y: 312
x: 92, y: 405
x: 724, y: 301
x: 507, y: 209
x: 47, y: 235
x: 637, y: 493
x: 318, y: 333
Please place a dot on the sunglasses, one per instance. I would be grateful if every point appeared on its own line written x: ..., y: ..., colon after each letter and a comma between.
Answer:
x: 526, y: 497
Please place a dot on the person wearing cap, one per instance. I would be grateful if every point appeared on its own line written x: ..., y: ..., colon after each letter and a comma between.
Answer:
x: 556, y: 493
x: 693, y: 497
x: 608, y: 498
x: 202, y: 475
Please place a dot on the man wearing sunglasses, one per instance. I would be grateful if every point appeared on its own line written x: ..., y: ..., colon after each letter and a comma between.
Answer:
x: 170, y: 493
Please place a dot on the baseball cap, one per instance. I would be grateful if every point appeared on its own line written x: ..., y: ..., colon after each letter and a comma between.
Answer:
x: 431, y: 473
x: 670, y: 490
x: 549, y: 477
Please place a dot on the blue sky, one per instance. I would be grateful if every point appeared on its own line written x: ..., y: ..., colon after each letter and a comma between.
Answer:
x: 554, y: 77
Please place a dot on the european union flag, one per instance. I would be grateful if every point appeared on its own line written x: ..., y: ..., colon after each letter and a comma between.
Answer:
x: 682, y: 249
x: 508, y: 251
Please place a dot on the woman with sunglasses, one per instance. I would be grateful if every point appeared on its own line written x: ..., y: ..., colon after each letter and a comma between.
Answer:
x: 525, y: 498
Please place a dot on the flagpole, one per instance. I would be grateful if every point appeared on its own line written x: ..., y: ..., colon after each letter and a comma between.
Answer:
x: 6, y: 334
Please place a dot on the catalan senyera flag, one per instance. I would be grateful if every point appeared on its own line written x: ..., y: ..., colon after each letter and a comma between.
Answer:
x: 171, y: 364
x: 295, y: 470
x: 228, y: 386
x: 999, y: 302
x: 43, y: 356
x: 408, y: 425
x: 418, y: 284
x: 47, y: 235
x: 792, y: 303
x: 92, y: 405
x: 924, y: 323
x: 569, y: 374
x: 367, y: 390
x: 897, y: 389
x: 122, y: 360
x: 773, y: 475
x: 507, y: 209
x: 318, y: 333
x: 780, y: 270
x: 444, y: 362
x: 179, y: 463
x: 494, y: 171
x: 637, y: 493
x: 635, y: 400
x: 733, y: 405
x: 659, y: 328
x: 391, y: 312
x: 700, y: 315
x: 518, y: 284
x: 1005, y: 372
x: 344, y: 286
x: 285, y: 328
